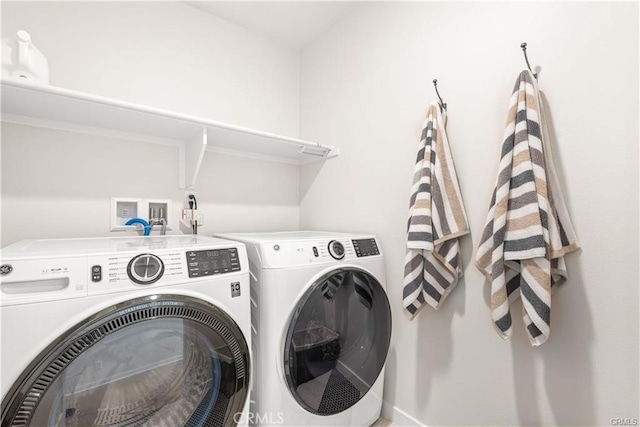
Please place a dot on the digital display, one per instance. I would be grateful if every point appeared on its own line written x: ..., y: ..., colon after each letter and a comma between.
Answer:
x: 365, y: 247
x: 215, y: 261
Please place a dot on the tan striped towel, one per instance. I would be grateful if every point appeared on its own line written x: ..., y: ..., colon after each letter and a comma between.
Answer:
x: 436, y: 220
x: 528, y: 229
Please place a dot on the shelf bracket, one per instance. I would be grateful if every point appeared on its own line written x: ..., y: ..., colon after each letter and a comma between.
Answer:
x: 314, y: 151
x: 191, y: 155
x: 318, y: 151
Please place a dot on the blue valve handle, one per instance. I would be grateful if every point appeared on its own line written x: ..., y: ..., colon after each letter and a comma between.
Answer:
x: 145, y: 224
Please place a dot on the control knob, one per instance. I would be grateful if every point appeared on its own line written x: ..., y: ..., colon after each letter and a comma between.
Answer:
x: 336, y: 249
x: 145, y: 269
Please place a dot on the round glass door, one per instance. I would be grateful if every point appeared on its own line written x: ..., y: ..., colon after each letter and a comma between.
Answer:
x: 337, y: 341
x: 163, y: 360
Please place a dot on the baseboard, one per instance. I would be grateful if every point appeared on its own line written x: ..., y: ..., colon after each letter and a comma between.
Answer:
x: 399, y: 417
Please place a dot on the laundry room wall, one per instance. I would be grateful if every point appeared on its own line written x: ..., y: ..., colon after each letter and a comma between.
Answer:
x: 168, y: 55
x: 365, y: 86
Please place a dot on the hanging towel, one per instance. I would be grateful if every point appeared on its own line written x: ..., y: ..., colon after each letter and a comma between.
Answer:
x: 528, y: 229
x: 436, y: 220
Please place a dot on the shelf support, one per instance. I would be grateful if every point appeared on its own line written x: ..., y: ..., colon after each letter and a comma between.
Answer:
x: 191, y: 155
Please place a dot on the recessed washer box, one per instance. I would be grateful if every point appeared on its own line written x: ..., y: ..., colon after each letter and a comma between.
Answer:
x: 125, y: 208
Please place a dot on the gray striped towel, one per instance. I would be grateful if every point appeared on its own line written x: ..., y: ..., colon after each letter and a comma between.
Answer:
x: 436, y: 220
x: 528, y: 229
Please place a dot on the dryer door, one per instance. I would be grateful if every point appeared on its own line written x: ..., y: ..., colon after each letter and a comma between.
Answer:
x: 337, y: 341
x: 162, y: 360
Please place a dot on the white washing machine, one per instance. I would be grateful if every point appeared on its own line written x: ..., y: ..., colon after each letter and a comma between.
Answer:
x: 151, y: 331
x: 322, y: 327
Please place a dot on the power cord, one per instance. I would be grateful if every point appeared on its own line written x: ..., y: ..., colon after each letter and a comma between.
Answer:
x: 193, y: 204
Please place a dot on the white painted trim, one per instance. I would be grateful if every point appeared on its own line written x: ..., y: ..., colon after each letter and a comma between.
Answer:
x: 398, y: 416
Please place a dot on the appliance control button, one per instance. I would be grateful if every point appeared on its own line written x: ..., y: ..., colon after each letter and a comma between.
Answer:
x: 336, y: 249
x: 145, y: 269
x: 315, y: 252
x: 276, y: 247
x: 96, y: 273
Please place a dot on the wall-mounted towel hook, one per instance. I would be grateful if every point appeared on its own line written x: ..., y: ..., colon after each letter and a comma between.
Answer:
x: 524, y: 50
x: 442, y: 103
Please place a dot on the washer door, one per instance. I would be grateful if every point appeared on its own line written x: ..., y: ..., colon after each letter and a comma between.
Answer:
x: 337, y: 341
x: 162, y: 360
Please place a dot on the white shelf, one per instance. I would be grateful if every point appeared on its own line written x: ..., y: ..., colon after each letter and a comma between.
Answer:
x: 60, y: 108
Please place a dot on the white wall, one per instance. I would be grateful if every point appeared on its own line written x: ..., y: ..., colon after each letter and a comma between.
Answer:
x: 163, y: 54
x: 365, y: 86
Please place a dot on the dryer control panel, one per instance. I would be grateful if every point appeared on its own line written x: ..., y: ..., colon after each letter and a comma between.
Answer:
x: 291, y: 253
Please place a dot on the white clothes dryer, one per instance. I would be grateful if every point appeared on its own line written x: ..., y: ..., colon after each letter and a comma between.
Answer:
x: 322, y: 326
x: 151, y: 331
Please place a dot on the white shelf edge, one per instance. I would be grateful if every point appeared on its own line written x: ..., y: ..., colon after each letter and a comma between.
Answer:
x: 82, y: 96
x: 72, y: 127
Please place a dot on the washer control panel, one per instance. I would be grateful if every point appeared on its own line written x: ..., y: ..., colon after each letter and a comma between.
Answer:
x: 119, y: 270
x: 214, y: 261
x: 58, y: 269
x: 109, y: 273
